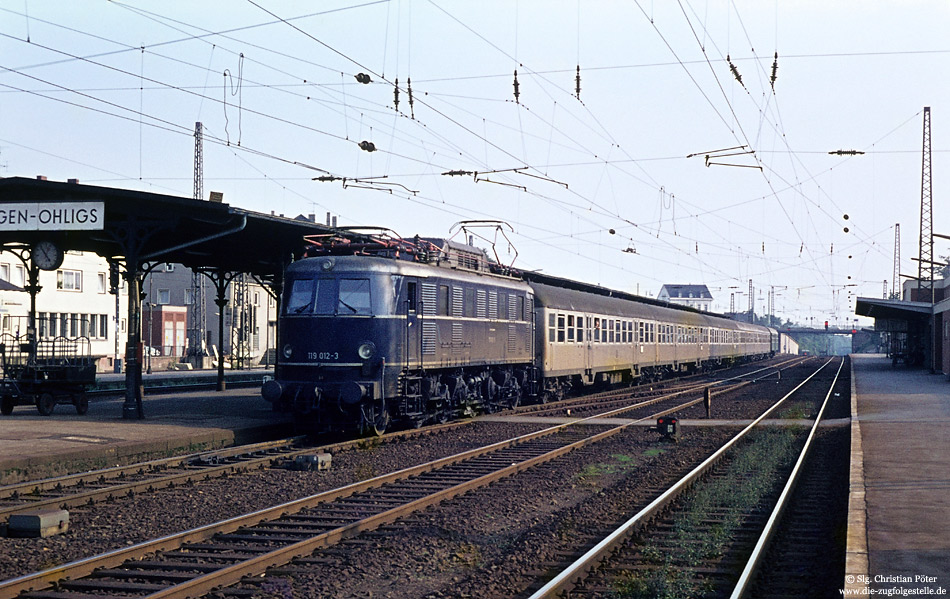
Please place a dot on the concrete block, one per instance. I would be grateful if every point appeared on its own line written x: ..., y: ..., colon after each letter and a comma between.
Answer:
x: 38, y: 523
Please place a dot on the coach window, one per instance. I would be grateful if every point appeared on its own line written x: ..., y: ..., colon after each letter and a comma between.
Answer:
x: 301, y: 295
x: 597, y: 330
x: 580, y: 329
x: 570, y: 328
x: 560, y: 328
x: 552, y: 327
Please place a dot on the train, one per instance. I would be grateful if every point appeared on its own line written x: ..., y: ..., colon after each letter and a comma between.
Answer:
x: 377, y: 331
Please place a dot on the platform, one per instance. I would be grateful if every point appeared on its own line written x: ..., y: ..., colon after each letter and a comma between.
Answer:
x: 899, y: 516
x: 35, y: 446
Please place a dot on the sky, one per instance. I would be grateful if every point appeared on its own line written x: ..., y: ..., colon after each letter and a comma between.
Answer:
x: 690, y: 155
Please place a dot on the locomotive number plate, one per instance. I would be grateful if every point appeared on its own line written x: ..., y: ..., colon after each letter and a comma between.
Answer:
x: 323, y: 356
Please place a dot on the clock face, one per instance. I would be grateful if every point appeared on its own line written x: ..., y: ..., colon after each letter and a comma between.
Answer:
x: 47, y: 255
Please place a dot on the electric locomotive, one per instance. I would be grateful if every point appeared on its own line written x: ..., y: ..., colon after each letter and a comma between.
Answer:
x: 376, y: 329
x: 395, y: 330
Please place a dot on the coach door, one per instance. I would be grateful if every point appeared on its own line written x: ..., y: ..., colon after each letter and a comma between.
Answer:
x: 588, y: 350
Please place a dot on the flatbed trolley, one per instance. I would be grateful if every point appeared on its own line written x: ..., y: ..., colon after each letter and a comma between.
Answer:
x: 56, y: 370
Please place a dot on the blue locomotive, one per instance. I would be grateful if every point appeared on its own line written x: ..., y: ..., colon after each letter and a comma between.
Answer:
x: 376, y: 331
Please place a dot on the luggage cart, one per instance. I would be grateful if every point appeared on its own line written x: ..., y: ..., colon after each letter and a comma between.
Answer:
x: 52, y: 371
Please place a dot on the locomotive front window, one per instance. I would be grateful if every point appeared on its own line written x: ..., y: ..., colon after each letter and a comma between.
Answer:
x: 301, y: 296
x: 354, y: 298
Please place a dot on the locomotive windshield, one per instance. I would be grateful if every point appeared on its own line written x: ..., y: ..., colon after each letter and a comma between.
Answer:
x: 346, y: 297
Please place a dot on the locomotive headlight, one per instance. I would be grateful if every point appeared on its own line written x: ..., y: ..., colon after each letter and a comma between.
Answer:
x: 288, y: 351
x: 366, y: 350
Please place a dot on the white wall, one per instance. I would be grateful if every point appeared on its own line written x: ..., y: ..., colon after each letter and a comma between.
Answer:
x: 79, y: 289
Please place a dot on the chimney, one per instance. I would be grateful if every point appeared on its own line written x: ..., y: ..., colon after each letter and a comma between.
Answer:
x: 334, y: 222
x: 328, y: 219
x: 41, y: 177
x: 312, y: 217
x: 73, y: 181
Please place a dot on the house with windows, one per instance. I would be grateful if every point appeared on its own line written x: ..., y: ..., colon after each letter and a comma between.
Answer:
x: 74, y: 301
x: 693, y: 296
x: 179, y: 314
x: 180, y: 318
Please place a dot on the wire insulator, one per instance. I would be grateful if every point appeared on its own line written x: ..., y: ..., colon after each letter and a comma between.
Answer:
x: 517, y: 93
x: 735, y: 71
x: 396, y: 95
x: 577, y: 80
x: 774, y: 72
x: 412, y: 112
x: 363, y: 78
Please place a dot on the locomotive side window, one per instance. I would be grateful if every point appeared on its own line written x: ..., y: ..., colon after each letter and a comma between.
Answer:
x: 301, y: 296
x: 523, y: 316
x: 354, y: 297
x: 469, y: 302
x: 411, y: 296
x: 444, y: 300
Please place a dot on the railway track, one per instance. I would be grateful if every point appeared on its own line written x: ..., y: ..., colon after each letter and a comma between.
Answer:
x: 193, y: 562
x: 669, y: 547
x: 108, y: 484
x: 88, y: 488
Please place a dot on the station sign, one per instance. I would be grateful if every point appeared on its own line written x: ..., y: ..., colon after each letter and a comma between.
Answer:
x: 52, y: 216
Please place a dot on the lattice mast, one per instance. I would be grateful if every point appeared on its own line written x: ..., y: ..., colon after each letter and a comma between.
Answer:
x: 925, y: 271
x: 751, y: 303
x: 198, y: 308
x: 896, y: 288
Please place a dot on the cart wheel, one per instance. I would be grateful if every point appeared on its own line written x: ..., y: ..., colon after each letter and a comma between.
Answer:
x: 82, y: 403
x: 45, y: 403
x: 6, y: 405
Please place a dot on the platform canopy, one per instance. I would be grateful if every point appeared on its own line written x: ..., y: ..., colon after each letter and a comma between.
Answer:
x: 40, y: 220
x: 149, y: 227
x: 893, y: 309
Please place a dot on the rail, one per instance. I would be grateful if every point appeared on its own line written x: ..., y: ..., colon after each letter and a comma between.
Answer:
x: 758, y: 553
x: 279, y: 525
x: 567, y: 578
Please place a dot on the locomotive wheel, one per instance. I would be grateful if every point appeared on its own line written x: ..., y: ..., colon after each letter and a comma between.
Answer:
x: 6, y: 405
x: 45, y: 403
x: 376, y: 419
x: 82, y: 403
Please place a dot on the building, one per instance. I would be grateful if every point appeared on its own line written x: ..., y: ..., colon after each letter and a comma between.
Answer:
x: 74, y: 301
x: 693, y: 296
x: 180, y: 318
